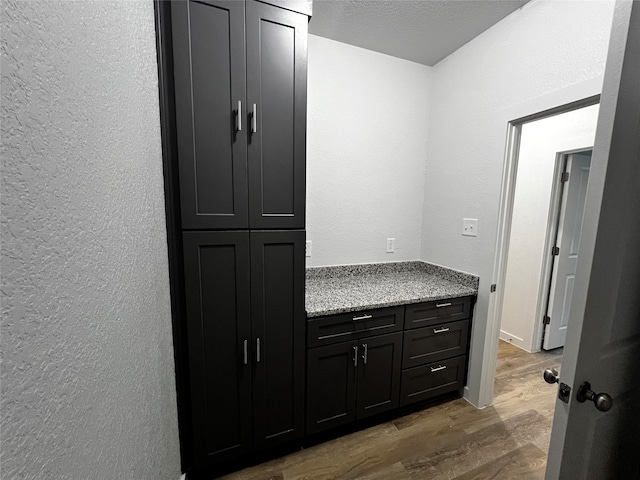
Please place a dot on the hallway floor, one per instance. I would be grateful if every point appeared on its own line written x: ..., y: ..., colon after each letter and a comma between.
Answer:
x: 508, y: 440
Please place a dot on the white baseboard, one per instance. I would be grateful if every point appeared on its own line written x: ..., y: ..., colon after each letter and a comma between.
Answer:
x: 515, y: 340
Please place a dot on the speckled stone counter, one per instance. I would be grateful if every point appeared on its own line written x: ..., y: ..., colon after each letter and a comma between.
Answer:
x: 331, y: 290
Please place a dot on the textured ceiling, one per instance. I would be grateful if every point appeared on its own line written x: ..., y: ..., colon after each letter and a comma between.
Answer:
x: 423, y: 31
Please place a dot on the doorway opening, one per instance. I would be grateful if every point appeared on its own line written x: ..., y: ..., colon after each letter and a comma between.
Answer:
x: 543, y: 226
x: 541, y: 150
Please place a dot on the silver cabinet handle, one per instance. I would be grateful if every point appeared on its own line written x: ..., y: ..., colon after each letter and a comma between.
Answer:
x: 366, y: 352
x: 440, y: 330
x: 246, y: 352
x: 438, y: 368
x: 257, y: 350
x: 363, y: 317
x: 439, y: 305
x: 355, y: 356
x: 254, y: 119
x: 239, y: 117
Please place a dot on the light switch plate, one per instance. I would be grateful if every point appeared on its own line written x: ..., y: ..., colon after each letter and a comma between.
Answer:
x: 470, y: 227
x: 307, y: 248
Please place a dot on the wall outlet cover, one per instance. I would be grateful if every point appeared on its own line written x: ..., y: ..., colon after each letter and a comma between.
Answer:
x: 391, y: 245
x: 470, y: 227
x: 307, y: 248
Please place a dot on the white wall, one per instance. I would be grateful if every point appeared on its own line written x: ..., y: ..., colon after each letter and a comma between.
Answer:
x: 540, y: 142
x: 541, y: 53
x: 366, y: 146
x: 88, y: 382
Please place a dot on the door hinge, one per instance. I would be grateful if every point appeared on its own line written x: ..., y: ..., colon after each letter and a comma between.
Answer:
x: 565, y: 177
x: 546, y: 320
x: 555, y: 251
x: 493, y: 287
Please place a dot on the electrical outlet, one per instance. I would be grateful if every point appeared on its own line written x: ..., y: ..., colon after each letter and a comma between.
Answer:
x: 391, y: 245
x: 307, y: 248
x: 470, y: 227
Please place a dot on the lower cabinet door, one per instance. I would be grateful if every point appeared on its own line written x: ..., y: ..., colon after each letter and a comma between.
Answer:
x: 278, y: 330
x: 217, y: 293
x: 378, y: 374
x: 431, y: 380
x: 331, y: 386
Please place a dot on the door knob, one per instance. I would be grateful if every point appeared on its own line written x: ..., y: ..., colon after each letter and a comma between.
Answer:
x: 551, y: 375
x: 602, y: 401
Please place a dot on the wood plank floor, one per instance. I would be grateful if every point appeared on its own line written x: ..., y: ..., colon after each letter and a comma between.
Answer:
x: 508, y: 440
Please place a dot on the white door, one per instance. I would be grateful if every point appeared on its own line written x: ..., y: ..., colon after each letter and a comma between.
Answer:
x: 568, y: 241
x: 603, y: 339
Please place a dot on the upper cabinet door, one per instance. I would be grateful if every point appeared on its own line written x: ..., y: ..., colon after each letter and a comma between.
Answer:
x: 209, y: 70
x: 277, y: 106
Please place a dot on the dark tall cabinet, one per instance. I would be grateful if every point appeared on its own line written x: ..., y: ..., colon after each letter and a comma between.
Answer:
x: 240, y: 86
x: 245, y: 324
x: 234, y: 86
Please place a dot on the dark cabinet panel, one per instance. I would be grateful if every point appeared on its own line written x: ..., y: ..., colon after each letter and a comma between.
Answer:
x: 353, y: 325
x: 387, y: 370
x: 240, y: 87
x: 431, y: 380
x: 426, y: 345
x: 331, y: 386
x: 277, y: 299
x: 245, y: 325
x: 350, y: 380
x: 378, y: 374
x: 276, y: 99
x: 440, y: 311
x: 218, y: 325
x: 244, y: 289
x: 209, y: 73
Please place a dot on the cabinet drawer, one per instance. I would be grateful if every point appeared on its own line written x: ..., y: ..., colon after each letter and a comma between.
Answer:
x: 427, y: 381
x: 429, y: 344
x: 353, y: 325
x: 440, y: 311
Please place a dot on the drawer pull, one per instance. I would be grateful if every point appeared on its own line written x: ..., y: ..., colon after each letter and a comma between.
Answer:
x: 366, y: 352
x: 355, y: 356
x: 438, y: 368
x: 363, y: 317
x: 440, y: 305
x: 440, y: 330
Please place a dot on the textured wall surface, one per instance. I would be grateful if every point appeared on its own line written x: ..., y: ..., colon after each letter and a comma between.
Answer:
x: 88, y: 388
x: 539, y: 144
x: 545, y: 47
x: 366, y: 148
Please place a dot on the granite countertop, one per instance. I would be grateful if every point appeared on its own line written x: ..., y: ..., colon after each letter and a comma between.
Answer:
x: 331, y: 290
